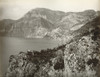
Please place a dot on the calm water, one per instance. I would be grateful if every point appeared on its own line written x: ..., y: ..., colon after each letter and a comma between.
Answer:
x: 12, y: 46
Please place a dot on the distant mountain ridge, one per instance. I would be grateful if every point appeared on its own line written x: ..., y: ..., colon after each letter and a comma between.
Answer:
x: 42, y: 23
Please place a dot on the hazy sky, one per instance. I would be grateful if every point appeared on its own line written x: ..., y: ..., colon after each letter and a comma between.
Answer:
x: 15, y: 9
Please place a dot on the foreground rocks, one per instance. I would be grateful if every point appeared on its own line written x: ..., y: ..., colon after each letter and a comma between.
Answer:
x: 37, y: 64
x: 82, y: 58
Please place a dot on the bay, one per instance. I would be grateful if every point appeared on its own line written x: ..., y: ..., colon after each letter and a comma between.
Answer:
x: 12, y: 46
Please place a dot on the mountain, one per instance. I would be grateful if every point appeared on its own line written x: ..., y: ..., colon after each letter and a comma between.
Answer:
x: 78, y: 57
x: 5, y: 26
x: 31, y: 27
x: 73, y: 18
x: 43, y: 23
x: 51, y: 15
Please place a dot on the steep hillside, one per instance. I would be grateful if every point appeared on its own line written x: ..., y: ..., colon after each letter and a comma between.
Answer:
x: 31, y: 27
x: 73, y: 18
x: 82, y: 54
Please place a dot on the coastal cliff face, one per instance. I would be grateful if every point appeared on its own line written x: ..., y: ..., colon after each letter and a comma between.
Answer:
x: 79, y: 57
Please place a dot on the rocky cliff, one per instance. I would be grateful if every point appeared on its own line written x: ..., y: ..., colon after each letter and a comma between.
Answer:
x: 79, y: 57
x: 44, y: 63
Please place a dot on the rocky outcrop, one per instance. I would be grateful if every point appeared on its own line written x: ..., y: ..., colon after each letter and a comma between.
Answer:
x: 82, y: 58
x: 46, y: 63
x: 79, y: 57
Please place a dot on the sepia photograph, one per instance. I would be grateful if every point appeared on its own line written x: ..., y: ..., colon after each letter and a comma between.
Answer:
x: 49, y: 38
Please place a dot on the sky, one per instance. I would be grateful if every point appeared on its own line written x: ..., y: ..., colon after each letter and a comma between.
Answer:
x: 15, y: 9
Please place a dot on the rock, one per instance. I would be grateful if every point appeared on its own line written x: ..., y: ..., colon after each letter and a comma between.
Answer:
x: 37, y: 64
x: 82, y: 58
